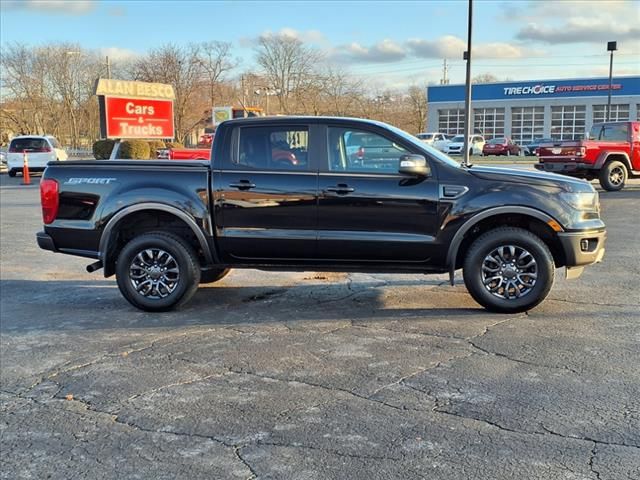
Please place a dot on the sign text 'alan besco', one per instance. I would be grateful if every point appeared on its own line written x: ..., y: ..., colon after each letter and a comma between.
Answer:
x: 135, y: 109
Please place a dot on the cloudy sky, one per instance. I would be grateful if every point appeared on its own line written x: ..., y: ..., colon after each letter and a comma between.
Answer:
x: 388, y: 43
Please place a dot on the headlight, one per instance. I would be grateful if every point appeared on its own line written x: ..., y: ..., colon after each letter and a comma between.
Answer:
x: 582, y: 201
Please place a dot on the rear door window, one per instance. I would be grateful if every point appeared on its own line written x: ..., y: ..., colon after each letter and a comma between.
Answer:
x: 272, y: 148
x: 615, y: 133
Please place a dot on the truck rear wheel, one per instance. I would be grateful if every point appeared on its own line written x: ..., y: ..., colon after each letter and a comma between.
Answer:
x: 613, y: 176
x: 157, y: 272
x: 508, y: 270
x: 213, y: 275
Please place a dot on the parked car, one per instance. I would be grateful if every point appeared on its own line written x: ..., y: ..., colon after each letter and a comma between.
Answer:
x: 531, y: 148
x: 436, y: 140
x: 500, y: 146
x: 508, y: 229
x: 611, y: 153
x: 455, y: 146
x: 40, y: 150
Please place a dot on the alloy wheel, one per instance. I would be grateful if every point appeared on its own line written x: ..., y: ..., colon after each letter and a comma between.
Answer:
x: 154, y: 273
x: 509, y: 272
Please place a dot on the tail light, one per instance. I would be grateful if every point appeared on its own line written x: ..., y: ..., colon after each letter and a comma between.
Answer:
x: 49, y: 199
x: 581, y: 152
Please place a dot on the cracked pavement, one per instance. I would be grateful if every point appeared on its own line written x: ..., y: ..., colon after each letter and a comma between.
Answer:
x: 316, y: 375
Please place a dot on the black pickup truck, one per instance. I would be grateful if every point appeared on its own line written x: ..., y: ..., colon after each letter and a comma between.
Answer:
x: 300, y: 193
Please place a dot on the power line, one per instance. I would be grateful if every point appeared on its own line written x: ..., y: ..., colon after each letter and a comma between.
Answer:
x: 525, y: 57
x: 419, y: 68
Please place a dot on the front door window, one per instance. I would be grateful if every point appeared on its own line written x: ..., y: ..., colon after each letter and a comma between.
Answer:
x: 357, y: 151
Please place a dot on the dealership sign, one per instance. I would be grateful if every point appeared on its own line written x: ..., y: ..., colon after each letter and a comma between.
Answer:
x: 135, y: 109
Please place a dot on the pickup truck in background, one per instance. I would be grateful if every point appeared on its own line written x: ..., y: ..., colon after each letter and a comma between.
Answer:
x: 189, y: 153
x: 610, y: 153
x: 297, y: 193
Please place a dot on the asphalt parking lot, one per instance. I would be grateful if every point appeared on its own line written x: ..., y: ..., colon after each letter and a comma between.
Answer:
x: 315, y: 375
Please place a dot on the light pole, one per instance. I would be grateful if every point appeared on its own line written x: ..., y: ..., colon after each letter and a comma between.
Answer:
x: 467, y: 100
x: 611, y: 47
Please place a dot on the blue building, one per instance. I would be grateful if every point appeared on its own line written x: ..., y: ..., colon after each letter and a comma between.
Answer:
x: 524, y: 111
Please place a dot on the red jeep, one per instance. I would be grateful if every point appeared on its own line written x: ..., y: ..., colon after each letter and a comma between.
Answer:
x: 611, y: 153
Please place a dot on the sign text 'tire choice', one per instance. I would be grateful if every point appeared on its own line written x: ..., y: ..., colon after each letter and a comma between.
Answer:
x: 139, y: 118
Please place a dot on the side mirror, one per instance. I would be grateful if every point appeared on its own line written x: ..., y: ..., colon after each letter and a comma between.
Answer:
x: 414, y: 165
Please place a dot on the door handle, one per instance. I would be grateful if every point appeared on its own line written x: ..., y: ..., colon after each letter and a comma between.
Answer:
x: 341, y: 189
x: 243, y: 185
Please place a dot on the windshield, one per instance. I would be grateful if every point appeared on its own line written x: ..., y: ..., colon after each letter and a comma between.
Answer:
x: 497, y: 141
x: 410, y: 139
x: 458, y: 139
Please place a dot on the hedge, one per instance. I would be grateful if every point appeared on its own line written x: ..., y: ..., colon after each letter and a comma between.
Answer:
x: 102, y: 149
x: 135, y: 149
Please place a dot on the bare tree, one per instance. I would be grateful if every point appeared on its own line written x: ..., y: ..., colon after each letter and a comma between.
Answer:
x: 180, y: 67
x: 215, y: 60
x: 416, y: 100
x: 288, y: 65
x: 484, y: 78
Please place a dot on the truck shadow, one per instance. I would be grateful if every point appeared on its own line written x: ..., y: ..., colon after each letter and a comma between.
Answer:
x: 86, y: 305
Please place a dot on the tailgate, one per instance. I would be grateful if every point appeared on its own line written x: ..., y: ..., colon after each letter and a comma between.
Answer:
x: 560, y: 151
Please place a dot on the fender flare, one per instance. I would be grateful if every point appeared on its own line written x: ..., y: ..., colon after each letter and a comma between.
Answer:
x: 454, y: 246
x: 604, y: 156
x: 186, y: 218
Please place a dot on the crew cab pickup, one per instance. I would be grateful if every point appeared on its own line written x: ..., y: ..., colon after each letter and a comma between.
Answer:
x: 610, y: 153
x: 286, y: 193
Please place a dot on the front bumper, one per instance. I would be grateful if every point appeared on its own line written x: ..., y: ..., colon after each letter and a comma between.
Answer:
x: 582, y: 249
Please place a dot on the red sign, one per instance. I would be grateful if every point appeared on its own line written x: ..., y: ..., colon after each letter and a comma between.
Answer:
x: 138, y: 118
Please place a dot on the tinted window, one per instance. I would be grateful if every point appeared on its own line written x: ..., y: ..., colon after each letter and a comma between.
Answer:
x: 497, y: 141
x: 426, y: 136
x: 362, y: 152
x: 32, y: 144
x: 615, y: 132
x: 272, y: 148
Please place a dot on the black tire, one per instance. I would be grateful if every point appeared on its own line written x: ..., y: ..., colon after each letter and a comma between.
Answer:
x: 184, y: 286
x: 12, y: 173
x: 613, y: 176
x: 213, y: 275
x: 523, y: 241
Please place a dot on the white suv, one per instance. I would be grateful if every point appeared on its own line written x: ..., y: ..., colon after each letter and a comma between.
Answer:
x: 455, y: 147
x: 40, y: 150
x: 436, y: 139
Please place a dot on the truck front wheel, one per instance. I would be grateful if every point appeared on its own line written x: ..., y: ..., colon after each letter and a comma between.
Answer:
x: 508, y: 270
x: 613, y: 176
x: 157, y: 271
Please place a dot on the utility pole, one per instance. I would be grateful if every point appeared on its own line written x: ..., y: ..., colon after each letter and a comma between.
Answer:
x: 467, y: 100
x: 611, y: 47
x: 108, y: 68
x: 445, y: 72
